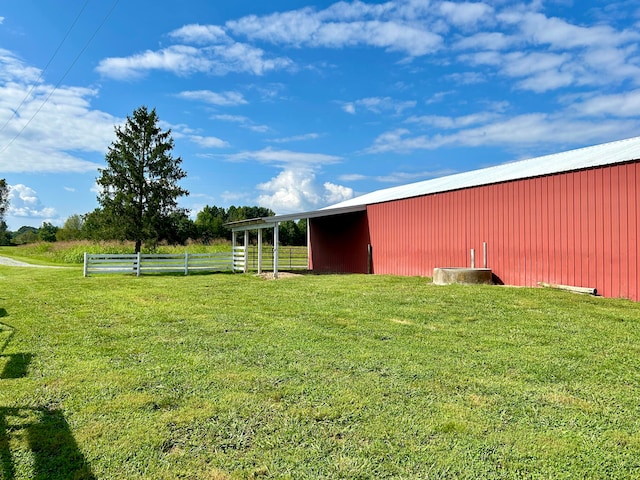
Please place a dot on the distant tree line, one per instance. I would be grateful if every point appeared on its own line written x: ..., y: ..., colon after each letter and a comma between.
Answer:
x: 179, y: 229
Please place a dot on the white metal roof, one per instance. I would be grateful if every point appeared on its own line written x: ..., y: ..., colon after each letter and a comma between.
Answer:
x: 598, y: 155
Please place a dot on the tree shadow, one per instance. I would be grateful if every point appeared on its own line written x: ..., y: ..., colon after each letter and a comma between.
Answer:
x: 17, y: 363
x: 16, y: 366
x: 55, y: 452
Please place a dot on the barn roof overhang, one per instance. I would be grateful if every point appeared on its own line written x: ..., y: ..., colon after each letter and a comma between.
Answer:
x: 270, y: 222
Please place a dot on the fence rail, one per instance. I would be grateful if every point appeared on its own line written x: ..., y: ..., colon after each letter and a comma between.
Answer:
x: 289, y: 258
x: 159, y: 263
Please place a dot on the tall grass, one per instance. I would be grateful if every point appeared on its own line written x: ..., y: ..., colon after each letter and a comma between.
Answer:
x: 73, y: 252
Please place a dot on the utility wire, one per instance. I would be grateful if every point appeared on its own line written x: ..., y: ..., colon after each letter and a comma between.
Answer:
x: 86, y: 45
x: 15, y: 112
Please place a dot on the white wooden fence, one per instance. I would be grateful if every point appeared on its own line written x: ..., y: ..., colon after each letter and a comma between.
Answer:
x: 164, y: 263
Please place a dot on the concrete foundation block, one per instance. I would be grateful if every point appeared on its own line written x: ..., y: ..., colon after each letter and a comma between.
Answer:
x: 449, y: 275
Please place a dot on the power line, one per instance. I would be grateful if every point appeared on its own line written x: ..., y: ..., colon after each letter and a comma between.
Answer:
x: 86, y: 45
x: 15, y: 111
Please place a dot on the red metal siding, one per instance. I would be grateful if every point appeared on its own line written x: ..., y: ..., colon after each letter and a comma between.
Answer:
x: 339, y: 243
x: 579, y: 228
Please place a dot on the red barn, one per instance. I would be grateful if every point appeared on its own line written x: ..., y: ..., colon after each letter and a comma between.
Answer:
x: 570, y: 218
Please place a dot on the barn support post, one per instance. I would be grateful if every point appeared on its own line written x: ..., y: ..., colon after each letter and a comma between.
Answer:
x: 473, y: 258
x: 259, y: 251
x: 246, y: 251
x: 308, y: 244
x: 233, y: 251
x: 275, y: 249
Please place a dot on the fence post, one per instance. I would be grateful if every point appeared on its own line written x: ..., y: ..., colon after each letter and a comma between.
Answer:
x: 186, y: 263
x: 246, y: 251
x: 276, y: 240
x: 86, y: 266
x: 259, y: 251
x: 139, y: 261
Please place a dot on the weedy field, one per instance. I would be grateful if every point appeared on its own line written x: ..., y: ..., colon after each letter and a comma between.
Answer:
x: 334, y: 376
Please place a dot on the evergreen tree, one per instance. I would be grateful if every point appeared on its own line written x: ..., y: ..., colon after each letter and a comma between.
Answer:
x: 140, y: 184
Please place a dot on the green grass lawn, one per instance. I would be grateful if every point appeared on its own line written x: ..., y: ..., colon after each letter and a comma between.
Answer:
x: 232, y: 376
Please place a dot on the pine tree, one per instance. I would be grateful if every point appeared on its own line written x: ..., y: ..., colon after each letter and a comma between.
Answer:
x: 139, y: 187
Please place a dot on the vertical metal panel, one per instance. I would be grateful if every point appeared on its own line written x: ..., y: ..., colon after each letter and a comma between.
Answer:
x: 634, y: 233
x: 579, y: 228
x: 619, y: 238
x: 583, y: 243
x: 629, y: 223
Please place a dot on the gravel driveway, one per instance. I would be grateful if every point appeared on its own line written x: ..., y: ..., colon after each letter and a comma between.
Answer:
x: 10, y: 262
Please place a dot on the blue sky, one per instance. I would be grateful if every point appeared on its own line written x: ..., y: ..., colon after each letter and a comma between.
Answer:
x: 295, y: 106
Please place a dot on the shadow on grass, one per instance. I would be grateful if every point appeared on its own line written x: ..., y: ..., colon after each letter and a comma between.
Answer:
x: 55, y: 454
x: 7, y: 332
x: 16, y: 365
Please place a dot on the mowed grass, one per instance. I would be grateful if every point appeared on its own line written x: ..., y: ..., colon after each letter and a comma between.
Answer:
x: 232, y: 376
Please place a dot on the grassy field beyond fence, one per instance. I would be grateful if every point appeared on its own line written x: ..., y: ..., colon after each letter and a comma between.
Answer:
x: 232, y: 376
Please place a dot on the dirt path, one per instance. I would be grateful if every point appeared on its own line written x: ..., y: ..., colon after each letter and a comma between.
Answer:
x: 10, y: 262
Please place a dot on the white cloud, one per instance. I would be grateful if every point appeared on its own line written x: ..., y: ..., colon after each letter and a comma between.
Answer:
x: 297, y: 138
x: 443, y: 122
x: 526, y: 130
x: 340, y: 26
x: 224, y: 99
x: 180, y: 59
x: 334, y: 193
x: 515, y: 41
x: 485, y: 41
x: 465, y: 14
x: 379, y: 105
x: 296, y: 190
x: 352, y: 177
x: 616, y: 105
x: 396, y: 177
x: 231, y: 118
x: 209, y: 142
x: 285, y: 157
x: 185, y: 60
x: 349, y: 108
x: 200, y: 34
x: 557, y: 33
x: 182, y: 131
x: 243, y: 121
x: 54, y: 130
x: 24, y: 203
